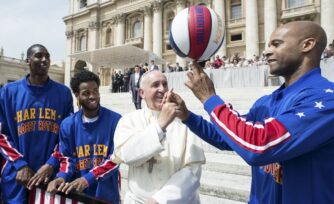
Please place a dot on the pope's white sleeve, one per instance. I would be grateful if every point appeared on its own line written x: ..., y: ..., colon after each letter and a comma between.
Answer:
x: 182, y: 186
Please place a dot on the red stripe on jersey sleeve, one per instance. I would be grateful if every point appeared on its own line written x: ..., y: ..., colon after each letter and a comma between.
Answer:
x: 7, y: 149
x: 256, y: 137
x: 103, y: 169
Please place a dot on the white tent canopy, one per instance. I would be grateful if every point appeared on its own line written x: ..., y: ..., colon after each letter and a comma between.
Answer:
x: 119, y: 57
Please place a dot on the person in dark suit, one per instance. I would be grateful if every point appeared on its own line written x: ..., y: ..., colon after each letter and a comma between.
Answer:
x: 134, y: 87
x: 153, y: 66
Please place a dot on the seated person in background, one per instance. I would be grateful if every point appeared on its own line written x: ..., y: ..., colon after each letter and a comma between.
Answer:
x: 217, y: 63
x: 86, y: 144
x: 163, y: 155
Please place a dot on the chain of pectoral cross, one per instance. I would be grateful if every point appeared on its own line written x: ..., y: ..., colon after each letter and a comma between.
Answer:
x: 151, y: 162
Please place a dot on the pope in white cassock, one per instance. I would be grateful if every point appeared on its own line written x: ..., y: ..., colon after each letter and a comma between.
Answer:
x: 163, y: 155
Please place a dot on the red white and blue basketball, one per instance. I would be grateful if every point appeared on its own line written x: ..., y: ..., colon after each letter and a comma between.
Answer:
x: 196, y: 32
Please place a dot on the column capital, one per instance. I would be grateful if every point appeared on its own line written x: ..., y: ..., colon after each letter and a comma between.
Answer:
x: 119, y: 18
x: 69, y: 34
x: 94, y: 25
x: 147, y: 10
x: 156, y: 6
x: 180, y: 3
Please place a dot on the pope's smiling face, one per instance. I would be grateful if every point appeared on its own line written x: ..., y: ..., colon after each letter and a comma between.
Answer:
x: 153, y: 88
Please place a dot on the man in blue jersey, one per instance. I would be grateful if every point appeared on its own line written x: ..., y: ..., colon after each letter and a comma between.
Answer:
x: 288, y: 136
x: 31, y: 110
x: 86, y: 144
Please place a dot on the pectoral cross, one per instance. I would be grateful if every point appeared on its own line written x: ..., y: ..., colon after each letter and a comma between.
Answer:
x: 151, y: 162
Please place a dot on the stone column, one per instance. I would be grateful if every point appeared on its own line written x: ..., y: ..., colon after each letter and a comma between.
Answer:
x: 180, y: 5
x: 327, y: 16
x: 148, y: 28
x: 120, y: 20
x: 219, y: 6
x: 69, y: 50
x: 270, y: 20
x: 157, y: 28
x: 93, y: 35
x: 252, y: 29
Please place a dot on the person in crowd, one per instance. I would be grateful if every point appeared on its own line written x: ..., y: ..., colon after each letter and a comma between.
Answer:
x: 288, y: 136
x: 328, y: 52
x: 86, y: 145
x: 153, y: 66
x: 163, y: 155
x: 134, y: 86
x: 126, y: 79
x: 145, y: 67
x: 31, y: 110
x: 208, y: 65
x: 120, y: 81
x: 217, y: 62
x: 178, y: 68
x: 169, y: 68
x: 114, y: 81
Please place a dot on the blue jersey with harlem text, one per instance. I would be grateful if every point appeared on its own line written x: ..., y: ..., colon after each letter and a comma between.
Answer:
x: 287, y: 137
x: 30, y: 118
x: 86, y: 150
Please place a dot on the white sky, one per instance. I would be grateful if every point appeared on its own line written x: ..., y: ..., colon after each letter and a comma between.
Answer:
x: 27, y: 22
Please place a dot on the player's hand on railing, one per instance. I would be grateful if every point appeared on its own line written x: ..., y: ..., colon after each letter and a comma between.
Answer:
x: 41, y: 176
x: 23, y: 175
x: 54, y: 185
x: 79, y: 185
x: 199, y: 83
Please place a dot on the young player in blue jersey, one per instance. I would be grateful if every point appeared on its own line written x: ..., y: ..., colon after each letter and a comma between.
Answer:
x: 86, y: 144
x: 31, y: 110
x: 288, y: 136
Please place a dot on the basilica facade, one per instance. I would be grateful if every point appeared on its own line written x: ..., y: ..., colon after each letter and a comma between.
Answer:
x: 100, y: 25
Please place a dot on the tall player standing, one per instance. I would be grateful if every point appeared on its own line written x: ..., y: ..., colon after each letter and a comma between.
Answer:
x: 31, y: 110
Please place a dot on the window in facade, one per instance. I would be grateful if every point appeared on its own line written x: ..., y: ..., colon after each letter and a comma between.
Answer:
x: 82, y: 3
x: 82, y: 43
x: 108, y: 36
x: 236, y: 37
x: 236, y: 11
x: 137, y: 29
x: 295, y: 3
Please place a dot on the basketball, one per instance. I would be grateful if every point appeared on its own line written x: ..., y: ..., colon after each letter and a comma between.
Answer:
x: 196, y: 33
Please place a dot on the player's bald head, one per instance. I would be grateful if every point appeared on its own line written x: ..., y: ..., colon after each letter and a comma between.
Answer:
x: 302, y: 30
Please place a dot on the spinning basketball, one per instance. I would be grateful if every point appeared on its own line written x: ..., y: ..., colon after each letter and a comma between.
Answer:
x: 197, y: 33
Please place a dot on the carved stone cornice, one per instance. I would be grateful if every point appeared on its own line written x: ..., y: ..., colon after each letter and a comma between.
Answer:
x: 69, y: 34
x: 93, y: 25
x: 108, y: 22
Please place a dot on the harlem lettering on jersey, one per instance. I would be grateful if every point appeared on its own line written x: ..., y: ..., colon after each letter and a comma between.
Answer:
x: 37, y: 119
x: 98, y: 151
x: 276, y: 170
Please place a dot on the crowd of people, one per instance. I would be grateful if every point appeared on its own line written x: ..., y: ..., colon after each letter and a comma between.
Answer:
x: 286, y: 137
